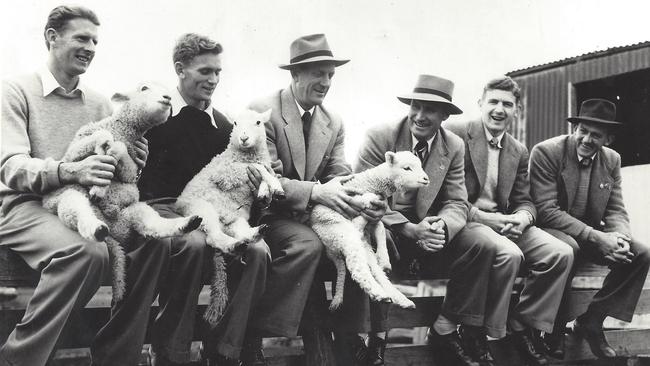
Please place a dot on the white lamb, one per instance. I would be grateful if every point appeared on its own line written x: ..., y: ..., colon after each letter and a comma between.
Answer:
x: 112, y: 213
x: 346, y: 241
x: 220, y: 195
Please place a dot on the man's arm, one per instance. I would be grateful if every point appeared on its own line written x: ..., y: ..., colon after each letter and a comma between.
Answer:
x: 453, y: 194
x: 616, y: 217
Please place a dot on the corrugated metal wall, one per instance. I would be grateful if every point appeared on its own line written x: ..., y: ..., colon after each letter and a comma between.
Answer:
x: 546, y: 92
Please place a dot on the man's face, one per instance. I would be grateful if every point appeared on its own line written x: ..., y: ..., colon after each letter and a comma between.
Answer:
x: 498, y: 110
x: 591, y: 137
x: 199, y: 77
x: 424, y: 118
x: 311, y: 83
x: 73, y: 47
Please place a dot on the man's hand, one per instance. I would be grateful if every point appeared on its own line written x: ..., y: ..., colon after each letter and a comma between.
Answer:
x: 376, y: 211
x: 429, y: 234
x: 337, y: 197
x: 513, y: 230
x: 511, y: 226
x: 613, y: 246
x: 141, y: 152
x: 255, y: 178
x: 95, y: 170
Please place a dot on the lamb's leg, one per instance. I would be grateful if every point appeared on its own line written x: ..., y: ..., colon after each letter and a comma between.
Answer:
x: 243, y: 232
x: 275, y: 186
x: 74, y: 209
x: 377, y: 272
x: 146, y: 221
x: 118, y: 268
x: 82, y: 147
x: 339, y: 262
x: 264, y: 196
x: 359, y: 223
x: 379, y: 236
x: 210, y: 224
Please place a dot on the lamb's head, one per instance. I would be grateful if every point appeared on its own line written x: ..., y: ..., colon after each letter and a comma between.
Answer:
x: 406, y: 170
x: 148, y: 105
x: 248, y: 130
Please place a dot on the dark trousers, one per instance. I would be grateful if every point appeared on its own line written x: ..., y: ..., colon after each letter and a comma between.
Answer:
x: 71, y: 269
x: 622, y: 287
x: 171, y: 269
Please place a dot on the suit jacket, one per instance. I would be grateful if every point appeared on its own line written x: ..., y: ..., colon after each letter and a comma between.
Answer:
x: 445, y: 196
x: 513, y: 185
x: 554, y: 179
x: 300, y: 170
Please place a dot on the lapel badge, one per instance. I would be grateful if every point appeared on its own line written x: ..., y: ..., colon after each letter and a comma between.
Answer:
x: 605, y: 186
x: 442, y: 167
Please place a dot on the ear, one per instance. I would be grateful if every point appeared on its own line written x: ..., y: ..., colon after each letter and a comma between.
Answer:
x: 119, y: 97
x: 179, y: 67
x: 445, y: 117
x: 610, y: 139
x: 390, y: 157
x: 50, y: 36
x: 266, y: 115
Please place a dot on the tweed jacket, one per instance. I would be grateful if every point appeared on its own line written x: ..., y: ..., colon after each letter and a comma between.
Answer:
x: 513, y: 185
x: 445, y: 196
x: 554, y: 179
x: 300, y: 170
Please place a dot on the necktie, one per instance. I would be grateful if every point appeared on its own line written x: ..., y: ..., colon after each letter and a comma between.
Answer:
x: 306, y: 125
x: 585, y: 163
x: 421, y: 149
x: 494, y: 143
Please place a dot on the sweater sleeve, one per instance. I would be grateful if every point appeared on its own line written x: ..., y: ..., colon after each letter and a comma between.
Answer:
x: 18, y: 169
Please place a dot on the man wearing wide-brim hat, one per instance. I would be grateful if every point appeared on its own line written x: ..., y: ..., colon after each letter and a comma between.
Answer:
x: 576, y: 187
x: 428, y: 227
x: 305, y: 140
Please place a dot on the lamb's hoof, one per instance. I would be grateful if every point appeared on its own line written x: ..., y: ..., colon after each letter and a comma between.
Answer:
x: 279, y: 195
x: 101, y: 232
x: 263, y: 229
x: 334, y: 306
x: 240, y: 247
x: 192, y: 224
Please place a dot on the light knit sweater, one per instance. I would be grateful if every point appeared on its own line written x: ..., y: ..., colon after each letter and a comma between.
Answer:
x: 36, y: 131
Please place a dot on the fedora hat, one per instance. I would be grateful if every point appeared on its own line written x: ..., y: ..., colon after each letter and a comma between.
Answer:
x: 596, y: 110
x: 311, y: 48
x: 431, y: 88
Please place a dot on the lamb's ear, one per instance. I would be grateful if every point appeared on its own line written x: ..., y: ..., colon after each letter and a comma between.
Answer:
x: 119, y: 97
x: 390, y: 157
x: 266, y: 115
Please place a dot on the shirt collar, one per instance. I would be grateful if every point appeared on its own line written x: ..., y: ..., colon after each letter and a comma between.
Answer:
x: 488, y: 136
x: 581, y: 158
x: 50, y: 84
x: 178, y: 103
x: 302, y: 111
x: 414, y: 141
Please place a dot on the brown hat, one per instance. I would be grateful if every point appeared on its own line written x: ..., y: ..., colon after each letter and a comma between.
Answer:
x: 596, y: 110
x: 311, y: 48
x: 431, y: 88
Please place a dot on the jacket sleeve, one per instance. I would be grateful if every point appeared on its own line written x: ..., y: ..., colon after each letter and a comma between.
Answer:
x: 453, y: 194
x: 520, y: 196
x: 616, y: 217
x: 18, y: 169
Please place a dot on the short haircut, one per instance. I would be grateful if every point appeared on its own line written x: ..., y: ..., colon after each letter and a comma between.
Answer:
x: 62, y: 14
x: 190, y: 45
x: 504, y: 83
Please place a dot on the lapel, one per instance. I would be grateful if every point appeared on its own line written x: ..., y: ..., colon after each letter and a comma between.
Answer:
x: 508, y: 165
x: 319, y: 139
x: 404, y: 141
x: 477, y: 145
x: 436, y: 167
x: 293, y: 130
x: 600, y: 187
x: 570, y: 170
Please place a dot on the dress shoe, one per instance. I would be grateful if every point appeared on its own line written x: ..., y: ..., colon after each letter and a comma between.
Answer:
x: 527, y: 342
x: 553, y: 343
x: 159, y: 359
x: 475, y: 342
x: 350, y: 349
x: 376, y: 349
x: 448, y: 349
x: 593, y: 334
x: 251, y: 353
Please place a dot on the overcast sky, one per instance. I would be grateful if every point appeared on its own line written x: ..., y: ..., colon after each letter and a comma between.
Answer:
x: 389, y: 43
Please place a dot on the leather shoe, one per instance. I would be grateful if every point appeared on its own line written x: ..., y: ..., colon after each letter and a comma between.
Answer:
x: 475, y: 342
x: 251, y: 353
x: 554, y: 343
x: 376, y: 349
x: 350, y: 349
x: 448, y: 349
x: 593, y: 334
x: 527, y: 343
x: 159, y: 359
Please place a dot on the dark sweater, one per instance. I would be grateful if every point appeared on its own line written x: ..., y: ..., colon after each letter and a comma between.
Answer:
x: 179, y: 149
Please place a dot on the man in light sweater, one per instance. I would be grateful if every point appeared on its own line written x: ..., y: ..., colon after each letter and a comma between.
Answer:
x: 40, y: 114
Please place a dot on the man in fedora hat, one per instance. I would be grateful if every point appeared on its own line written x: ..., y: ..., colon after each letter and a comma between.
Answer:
x: 576, y: 187
x: 428, y: 227
x: 496, y: 178
x: 305, y: 140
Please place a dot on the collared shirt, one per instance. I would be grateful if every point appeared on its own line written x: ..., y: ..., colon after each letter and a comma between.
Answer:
x: 50, y: 85
x: 302, y: 111
x: 488, y: 136
x: 581, y: 158
x: 414, y: 141
x: 178, y: 103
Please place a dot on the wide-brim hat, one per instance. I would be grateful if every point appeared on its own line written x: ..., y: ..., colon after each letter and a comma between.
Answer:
x: 431, y: 88
x: 598, y: 111
x: 311, y: 48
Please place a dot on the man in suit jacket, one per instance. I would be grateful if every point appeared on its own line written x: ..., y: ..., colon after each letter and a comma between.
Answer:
x: 305, y: 141
x: 423, y: 222
x: 496, y: 177
x: 576, y: 187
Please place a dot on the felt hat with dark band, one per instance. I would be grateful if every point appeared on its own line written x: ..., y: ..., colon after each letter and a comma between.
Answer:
x: 596, y: 110
x: 311, y: 48
x: 431, y: 88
